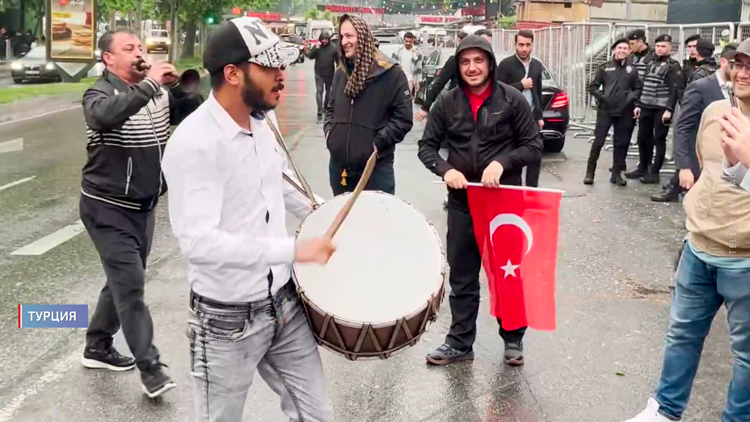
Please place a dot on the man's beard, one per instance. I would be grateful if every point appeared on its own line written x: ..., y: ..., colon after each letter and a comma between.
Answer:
x: 252, y: 96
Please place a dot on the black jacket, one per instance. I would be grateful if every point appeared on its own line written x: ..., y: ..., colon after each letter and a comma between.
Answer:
x: 127, y: 130
x: 447, y: 74
x: 504, y: 131
x: 616, y: 87
x: 688, y: 67
x: 703, y: 69
x: 326, y: 58
x: 380, y: 115
x: 698, y: 96
x: 511, y: 71
x: 662, y: 84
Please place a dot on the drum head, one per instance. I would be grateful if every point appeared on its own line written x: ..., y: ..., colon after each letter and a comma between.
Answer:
x: 388, y: 261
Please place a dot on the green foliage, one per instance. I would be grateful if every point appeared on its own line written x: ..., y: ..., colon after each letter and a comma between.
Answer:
x: 506, y: 22
x: 312, y: 13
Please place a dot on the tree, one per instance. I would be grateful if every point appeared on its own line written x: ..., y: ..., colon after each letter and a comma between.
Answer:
x: 312, y: 13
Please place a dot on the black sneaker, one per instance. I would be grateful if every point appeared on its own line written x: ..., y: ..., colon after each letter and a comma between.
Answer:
x: 155, y: 381
x: 650, y: 179
x: 107, y: 359
x: 635, y: 174
x: 446, y: 354
x: 668, y: 195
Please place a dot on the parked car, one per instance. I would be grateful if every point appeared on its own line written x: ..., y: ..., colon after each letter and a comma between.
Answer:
x: 158, y: 40
x: 34, y: 67
x: 555, y: 102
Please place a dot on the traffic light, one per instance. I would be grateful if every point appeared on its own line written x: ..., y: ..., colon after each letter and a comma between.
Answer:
x: 211, y: 19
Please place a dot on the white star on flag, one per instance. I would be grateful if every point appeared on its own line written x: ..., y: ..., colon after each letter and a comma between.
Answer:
x: 509, y: 269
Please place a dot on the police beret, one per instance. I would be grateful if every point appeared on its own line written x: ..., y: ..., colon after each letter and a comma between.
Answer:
x: 619, y: 41
x: 705, y: 48
x: 637, y: 34
x: 663, y: 38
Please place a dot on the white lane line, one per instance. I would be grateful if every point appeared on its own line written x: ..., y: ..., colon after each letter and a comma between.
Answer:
x: 49, y: 377
x: 23, y: 119
x: 16, y: 183
x: 55, y: 239
x: 11, y: 146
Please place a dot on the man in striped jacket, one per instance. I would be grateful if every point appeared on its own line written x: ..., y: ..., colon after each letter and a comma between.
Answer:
x: 662, y: 88
x: 128, y: 115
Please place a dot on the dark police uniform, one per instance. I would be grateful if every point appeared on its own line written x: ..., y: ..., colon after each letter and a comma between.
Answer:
x: 662, y: 88
x: 616, y: 87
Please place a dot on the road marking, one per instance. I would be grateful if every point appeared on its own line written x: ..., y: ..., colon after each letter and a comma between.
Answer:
x: 11, y: 146
x: 54, y: 374
x: 17, y: 182
x: 55, y: 239
x: 23, y: 119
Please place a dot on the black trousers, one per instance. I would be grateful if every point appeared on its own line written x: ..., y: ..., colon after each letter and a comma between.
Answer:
x: 533, y: 171
x: 383, y: 177
x: 123, y: 239
x: 674, y: 182
x: 624, y: 126
x: 322, y: 83
x: 465, y: 263
x: 652, y: 133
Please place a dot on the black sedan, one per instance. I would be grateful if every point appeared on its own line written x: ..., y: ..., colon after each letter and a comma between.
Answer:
x: 555, y: 99
x: 34, y: 67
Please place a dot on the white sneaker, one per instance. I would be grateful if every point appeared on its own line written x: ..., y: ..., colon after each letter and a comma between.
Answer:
x: 651, y: 414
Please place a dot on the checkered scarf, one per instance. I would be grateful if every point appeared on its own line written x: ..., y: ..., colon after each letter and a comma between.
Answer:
x: 365, y: 55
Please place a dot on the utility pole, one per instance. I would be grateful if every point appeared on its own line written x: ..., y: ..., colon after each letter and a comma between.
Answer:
x: 172, y: 31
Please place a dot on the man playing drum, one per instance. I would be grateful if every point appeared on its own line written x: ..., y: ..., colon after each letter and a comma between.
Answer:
x: 491, y: 144
x: 227, y: 204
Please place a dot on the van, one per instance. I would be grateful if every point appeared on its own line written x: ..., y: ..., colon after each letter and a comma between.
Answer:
x: 314, y: 29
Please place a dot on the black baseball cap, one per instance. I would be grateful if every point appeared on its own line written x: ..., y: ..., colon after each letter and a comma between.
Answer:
x: 247, y: 39
x: 637, y: 34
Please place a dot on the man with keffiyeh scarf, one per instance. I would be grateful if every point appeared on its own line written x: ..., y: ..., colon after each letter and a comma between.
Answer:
x: 370, y: 110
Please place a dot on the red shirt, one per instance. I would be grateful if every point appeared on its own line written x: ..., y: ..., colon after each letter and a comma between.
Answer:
x: 476, y: 100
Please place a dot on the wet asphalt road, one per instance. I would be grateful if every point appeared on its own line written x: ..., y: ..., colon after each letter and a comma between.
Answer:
x: 614, y: 272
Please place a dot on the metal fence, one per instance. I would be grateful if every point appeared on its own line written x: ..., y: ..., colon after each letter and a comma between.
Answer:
x: 572, y: 52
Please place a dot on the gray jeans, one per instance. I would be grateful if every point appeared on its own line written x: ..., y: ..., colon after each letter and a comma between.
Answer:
x: 228, y: 342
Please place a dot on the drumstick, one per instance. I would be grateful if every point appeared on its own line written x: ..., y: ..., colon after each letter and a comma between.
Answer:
x: 350, y: 203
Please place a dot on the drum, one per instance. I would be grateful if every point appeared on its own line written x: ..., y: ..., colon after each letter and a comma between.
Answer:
x: 383, y: 287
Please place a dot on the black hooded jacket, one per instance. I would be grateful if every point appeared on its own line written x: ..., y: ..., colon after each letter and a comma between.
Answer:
x: 504, y: 131
x: 379, y: 116
x: 616, y: 87
x: 326, y: 57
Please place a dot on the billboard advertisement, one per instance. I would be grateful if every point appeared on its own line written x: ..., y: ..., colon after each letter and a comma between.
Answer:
x: 71, y: 30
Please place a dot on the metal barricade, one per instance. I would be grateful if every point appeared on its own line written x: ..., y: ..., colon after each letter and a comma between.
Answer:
x: 743, y: 31
x: 585, y: 47
x: 503, y: 41
x: 718, y: 33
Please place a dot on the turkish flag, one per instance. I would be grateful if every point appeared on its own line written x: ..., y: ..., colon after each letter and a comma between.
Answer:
x: 516, y: 230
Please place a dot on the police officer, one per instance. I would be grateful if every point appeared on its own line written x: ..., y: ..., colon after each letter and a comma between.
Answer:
x: 641, y: 55
x: 690, y: 64
x: 705, y: 63
x: 616, y: 87
x: 662, y: 88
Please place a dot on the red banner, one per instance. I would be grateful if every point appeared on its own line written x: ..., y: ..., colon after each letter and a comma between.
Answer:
x: 516, y: 230
x: 438, y: 19
x: 264, y: 16
x: 478, y: 10
x: 337, y: 8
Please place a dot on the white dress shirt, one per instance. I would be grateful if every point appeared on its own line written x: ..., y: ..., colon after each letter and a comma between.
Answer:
x: 227, y: 203
x: 722, y: 84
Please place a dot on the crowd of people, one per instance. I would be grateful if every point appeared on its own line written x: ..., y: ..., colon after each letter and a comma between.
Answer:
x: 228, y: 197
x: 20, y: 42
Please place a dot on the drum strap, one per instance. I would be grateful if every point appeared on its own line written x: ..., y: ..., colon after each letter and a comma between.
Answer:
x: 305, y: 189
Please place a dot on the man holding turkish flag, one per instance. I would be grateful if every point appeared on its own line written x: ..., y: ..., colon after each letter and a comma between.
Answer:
x: 491, y: 135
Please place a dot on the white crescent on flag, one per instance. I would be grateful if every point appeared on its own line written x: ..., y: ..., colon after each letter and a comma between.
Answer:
x: 512, y: 220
